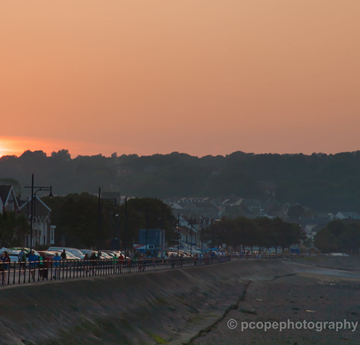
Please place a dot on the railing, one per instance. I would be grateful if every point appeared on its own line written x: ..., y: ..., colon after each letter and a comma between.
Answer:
x: 15, y: 273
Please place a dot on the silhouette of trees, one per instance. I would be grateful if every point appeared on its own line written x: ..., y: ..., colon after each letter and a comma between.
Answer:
x: 339, y: 236
x: 261, y: 232
x: 322, y: 182
x: 76, y: 217
x: 13, y: 228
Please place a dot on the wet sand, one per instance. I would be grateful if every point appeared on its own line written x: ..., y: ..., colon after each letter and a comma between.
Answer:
x: 312, y: 293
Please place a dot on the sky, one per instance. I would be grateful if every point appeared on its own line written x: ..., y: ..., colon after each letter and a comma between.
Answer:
x: 194, y: 76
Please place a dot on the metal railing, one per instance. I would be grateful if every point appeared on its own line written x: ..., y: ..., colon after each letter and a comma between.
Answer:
x: 15, y: 273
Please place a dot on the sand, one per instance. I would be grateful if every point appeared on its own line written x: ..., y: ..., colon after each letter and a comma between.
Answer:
x: 312, y: 294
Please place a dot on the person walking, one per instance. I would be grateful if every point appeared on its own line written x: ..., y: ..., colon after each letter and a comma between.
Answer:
x: 5, y: 262
x: 141, y: 262
x: 33, y: 260
x: 172, y: 260
x: 93, y: 260
x: 86, y: 263
x: 114, y: 263
x: 41, y: 265
x: 57, y: 260
x: 63, y: 255
x: 47, y: 265
x: 121, y: 261
x: 181, y: 260
x: 129, y: 264
x: 195, y: 259
x: 22, y: 260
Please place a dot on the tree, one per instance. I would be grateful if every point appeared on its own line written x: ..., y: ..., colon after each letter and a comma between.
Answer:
x: 338, y: 236
x: 295, y: 211
x: 13, y: 228
x: 150, y: 213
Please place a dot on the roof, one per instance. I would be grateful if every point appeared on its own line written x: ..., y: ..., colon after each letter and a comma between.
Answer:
x: 4, y: 193
x: 312, y: 248
x: 348, y: 215
x: 29, y: 201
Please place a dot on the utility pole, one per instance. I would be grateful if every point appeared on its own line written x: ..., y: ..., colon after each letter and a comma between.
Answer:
x: 125, y: 237
x: 33, y: 195
x: 191, y: 236
x: 179, y: 233
x: 99, y: 225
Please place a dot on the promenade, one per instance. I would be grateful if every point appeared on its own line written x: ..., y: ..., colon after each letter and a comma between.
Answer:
x: 32, y: 273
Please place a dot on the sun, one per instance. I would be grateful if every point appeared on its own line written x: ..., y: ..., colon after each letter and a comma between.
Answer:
x: 3, y: 149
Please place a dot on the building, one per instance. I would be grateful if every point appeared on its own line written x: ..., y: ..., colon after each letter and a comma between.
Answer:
x: 43, y: 231
x: 152, y: 240
x: 8, y: 200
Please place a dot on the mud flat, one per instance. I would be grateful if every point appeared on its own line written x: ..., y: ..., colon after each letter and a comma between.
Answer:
x: 188, y: 306
x: 321, y: 289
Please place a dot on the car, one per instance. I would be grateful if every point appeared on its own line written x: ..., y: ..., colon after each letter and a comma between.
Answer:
x: 69, y: 256
x: 103, y: 256
x: 26, y: 250
x: 73, y: 251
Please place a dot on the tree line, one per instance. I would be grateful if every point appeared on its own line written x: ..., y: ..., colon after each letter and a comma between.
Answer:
x: 322, y: 182
x: 263, y: 232
x: 339, y: 237
x: 76, y: 217
x: 13, y: 228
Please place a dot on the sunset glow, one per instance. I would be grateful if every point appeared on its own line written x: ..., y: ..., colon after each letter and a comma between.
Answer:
x: 201, y: 77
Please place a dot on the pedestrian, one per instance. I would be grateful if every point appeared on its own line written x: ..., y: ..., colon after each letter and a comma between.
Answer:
x: 134, y: 262
x: 93, y: 260
x: 181, y: 260
x: 86, y: 263
x: 141, y: 263
x: 63, y: 255
x: 47, y: 265
x: 121, y: 261
x: 195, y: 259
x: 22, y: 260
x: 41, y: 265
x: 33, y: 260
x: 129, y: 264
x: 114, y: 262
x: 5, y: 262
x: 172, y: 260
x: 56, y: 260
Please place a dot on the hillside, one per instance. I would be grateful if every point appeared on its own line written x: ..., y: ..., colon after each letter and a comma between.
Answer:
x: 322, y: 182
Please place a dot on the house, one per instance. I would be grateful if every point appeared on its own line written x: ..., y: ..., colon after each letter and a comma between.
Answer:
x: 347, y: 215
x: 249, y: 204
x: 43, y: 232
x: 312, y: 251
x: 8, y: 200
x: 311, y: 225
x: 205, y: 209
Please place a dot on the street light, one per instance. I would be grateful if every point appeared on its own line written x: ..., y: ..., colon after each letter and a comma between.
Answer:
x: 99, y: 216
x: 33, y: 194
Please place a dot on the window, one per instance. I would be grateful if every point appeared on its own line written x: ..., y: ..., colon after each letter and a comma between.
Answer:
x: 52, y: 234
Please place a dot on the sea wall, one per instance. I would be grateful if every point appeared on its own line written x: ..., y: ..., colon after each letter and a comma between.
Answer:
x: 148, y: 308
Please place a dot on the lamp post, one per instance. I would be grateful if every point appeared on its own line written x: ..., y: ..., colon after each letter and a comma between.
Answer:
x: 179, y: 233
x: 191, y: 237
x: 33, y: 195
x: 125, y: 235
x: 99, y: 217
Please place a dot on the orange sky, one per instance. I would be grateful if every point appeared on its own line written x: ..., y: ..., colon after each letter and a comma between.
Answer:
x: 195, y: 76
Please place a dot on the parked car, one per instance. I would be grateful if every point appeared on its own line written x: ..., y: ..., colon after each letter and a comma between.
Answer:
x: 73, y: 251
